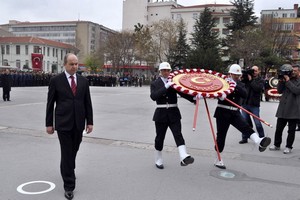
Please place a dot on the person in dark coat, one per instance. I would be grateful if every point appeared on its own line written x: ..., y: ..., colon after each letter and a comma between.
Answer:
x: 6, y: 81
x: 227, y: 115
x: 167, y: 115
x: 73, y: 113
x: 288, y: 111
x: 254, y: 85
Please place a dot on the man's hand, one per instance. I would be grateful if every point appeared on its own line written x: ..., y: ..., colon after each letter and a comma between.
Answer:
x: 222, y: 98
x: 168, y: 84
x: 89, y: 129
x: 286, y: 77
x: 50, y: 130
x: 249, y: 77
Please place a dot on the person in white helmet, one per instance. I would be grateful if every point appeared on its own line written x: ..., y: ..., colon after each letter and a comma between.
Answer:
x: 167, y: 115
x: 226, y: 114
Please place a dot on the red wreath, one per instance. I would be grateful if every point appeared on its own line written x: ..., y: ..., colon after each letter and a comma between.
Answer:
x: 207, y: 83
x: 273, y: 93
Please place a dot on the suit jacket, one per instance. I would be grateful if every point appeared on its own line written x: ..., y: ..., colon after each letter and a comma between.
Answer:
x: 161, y: 95
x: 289, y: 104
x: 70, y: 111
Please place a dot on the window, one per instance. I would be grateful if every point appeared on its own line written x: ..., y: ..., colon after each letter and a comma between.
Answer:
x: 284, y: 15
x: 195, y: 16
x: 26, y: 50
x: 225, y: 31
x: 288, y: 27
x: 18, y: 64
x: 292, y: 15
x: 18, y: 50
x: 5, y: 62
x: 226, y: 20
x: 36, y: 49
x: 7, y: 49
x: 217, y: 21
x: 2, y: 49
x: 48, y: 51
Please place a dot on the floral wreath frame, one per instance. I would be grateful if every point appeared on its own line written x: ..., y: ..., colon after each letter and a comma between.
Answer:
x: 217, y: 94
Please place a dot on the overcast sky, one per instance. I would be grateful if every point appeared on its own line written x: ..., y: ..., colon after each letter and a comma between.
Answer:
x: 104, y: 12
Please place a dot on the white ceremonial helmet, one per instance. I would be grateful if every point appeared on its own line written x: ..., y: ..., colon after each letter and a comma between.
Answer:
x: 235, y: 69
x: 164, y: 65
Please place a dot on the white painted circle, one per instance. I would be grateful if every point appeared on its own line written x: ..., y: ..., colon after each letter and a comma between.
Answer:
x: 20, y: 187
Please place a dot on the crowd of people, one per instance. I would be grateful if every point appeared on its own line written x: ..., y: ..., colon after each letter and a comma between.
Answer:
x: 38, y: 78
x: 249, y: 86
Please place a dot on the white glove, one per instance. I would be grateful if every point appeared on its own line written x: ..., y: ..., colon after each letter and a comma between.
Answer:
x: 168, y: 84
x: 230, y: 80
x: 222, y: 98
x: 198, y: 96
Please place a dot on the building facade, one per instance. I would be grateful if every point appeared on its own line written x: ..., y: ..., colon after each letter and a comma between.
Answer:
x: 24, y: 53
x: 146, y: 12
x: 87, y: 36
x: 287, y: 21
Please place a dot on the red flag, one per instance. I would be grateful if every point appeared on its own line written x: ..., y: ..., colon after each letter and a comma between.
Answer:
x: 37, y: 61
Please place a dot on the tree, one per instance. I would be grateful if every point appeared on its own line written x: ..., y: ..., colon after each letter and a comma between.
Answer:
x: 94, y: 62
x: 205, y: 43
x: 177, y: 56
x: 119, y: 49
x: 143, y: 44
x: 243, y: 15
x: 243, y: 20
x: 163, y: 38
x: 281, y: 41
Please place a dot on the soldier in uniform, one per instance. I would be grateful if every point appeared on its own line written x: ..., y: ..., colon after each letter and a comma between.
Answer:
x: 167, y: 115
x: 227, y: 115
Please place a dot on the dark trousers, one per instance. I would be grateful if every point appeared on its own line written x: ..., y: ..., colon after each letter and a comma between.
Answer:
x: 69, y: 145
x: 281, y: 123
x: 235, y: 119
x: 6, y: 95
x: 161, y: 130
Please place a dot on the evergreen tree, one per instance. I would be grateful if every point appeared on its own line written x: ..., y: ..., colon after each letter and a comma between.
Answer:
x: 178, y: 54
x: 243, y: 19
x: 243, y: 15
x: 205, y: 43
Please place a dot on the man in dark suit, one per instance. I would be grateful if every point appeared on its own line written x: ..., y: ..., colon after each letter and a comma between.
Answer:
x: 73, y: 113
x: 6, y: 81
x: 167, y: 115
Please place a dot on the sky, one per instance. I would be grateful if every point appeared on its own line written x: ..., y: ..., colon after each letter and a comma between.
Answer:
x: 105, y: 12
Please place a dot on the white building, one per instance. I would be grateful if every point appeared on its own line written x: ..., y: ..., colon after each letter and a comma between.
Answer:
x: 146, y: 12
x: 19, y: 52
x: 280, y: 12
x: 87, y: 36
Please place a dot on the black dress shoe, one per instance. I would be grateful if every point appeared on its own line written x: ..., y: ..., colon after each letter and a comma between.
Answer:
x: 188, y: 160
x: 243, y: 141
x: 264, y: 144
x: 69, y: 195
x: 160, y: 166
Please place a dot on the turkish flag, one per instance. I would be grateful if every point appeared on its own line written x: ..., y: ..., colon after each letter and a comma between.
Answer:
x: 37, y: 61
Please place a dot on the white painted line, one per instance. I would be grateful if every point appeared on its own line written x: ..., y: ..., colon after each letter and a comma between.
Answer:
x: 20, y: 187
